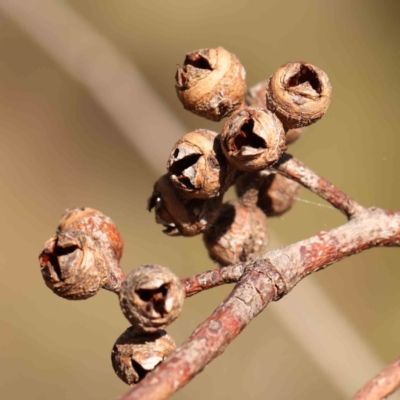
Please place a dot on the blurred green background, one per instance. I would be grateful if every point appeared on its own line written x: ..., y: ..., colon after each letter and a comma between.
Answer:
x: 88, y: 116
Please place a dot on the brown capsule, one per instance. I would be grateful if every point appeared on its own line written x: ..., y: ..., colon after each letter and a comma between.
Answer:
x: 240, y: 234
x: 276, y: 194
x: 151, y: 297
x: 211, y: 83
x: 293, y: 134
x: 253, y: 139
x: 103, y: 230
x: 198, y: 167
x: 136, y: 353
x: 299, y: 94
x: 181, y: 216
x: 256, y: 96
x: 73, y: 266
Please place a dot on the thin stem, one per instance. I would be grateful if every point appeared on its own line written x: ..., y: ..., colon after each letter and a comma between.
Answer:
x: 209, y: 279
x: 382, y: 385
x: 297, y: 171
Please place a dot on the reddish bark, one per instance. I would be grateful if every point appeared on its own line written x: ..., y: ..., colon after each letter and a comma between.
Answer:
x: 265, y: 279
x: 209, y: 279
x: 296, y: 170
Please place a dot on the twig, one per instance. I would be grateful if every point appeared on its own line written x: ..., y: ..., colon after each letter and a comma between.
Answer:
x: 264, y: 280
x: 297, y: 171
x: 209, y: 279
x: 384, y: 384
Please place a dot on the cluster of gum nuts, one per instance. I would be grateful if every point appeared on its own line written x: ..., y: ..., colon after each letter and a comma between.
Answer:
x: 84, y: 254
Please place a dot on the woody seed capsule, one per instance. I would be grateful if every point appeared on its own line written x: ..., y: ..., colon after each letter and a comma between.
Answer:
x: 293, y: 134
x: 178, y: 214
x: 253, y: 139
x: 72, y: 265
x: 240, y: 234
x: 211, y: 83
x: 276, y: 194
x: 299, y: 94
x: 102, y: 229
x: 136, y: 353
x: 197, y: 165
x: 256, y: 96
x: 151, y: 297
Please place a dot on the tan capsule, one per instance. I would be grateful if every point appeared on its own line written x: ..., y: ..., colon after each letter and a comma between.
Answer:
x: 197, y: 165
x: 72, y: 265
x: 299, y: 94
x: 103, y: 230
x: 256, y: 96
x: 179, y: 215
x: 276, y: 194
x: 253, y: 139
x: 292, y: 135
x: 151, y: 297
x: 211, y: 83
x: 136, y: 353
x: 240, y: 234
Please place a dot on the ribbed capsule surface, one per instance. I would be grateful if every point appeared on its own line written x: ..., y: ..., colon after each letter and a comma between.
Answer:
x: 197, y: 165
x: 151, y: 297
x: 276, y: 194
x: 136, y: 353
x: 256, y: 96
x: 253, y: 139
x: 238, y: 235
x: 179, y: 215
x: 72, y: 265
x: 211, y: 83
x: 299, y: 94
x: 104, y: 231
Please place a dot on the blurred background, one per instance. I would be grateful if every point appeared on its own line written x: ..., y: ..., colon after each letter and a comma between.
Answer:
x: 88, y: 117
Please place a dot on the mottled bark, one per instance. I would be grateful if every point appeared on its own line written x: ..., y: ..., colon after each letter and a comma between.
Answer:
x: 296, y: 170
x: 268, y: 278
x: 265, y: 279
x: 209, y: 279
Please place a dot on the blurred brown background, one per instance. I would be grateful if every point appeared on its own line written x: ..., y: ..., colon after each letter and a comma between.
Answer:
x: 88, y: 116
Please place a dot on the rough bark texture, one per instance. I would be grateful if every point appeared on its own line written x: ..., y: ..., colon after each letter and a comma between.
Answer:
x: 296, y: 170
x: 267, y: 279
x: 209, y: 279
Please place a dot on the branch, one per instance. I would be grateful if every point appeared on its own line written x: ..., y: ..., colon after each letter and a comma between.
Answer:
x: 384, y: 384
x: 297, y: 171
x: 265, y: 279
x: 209, y: 279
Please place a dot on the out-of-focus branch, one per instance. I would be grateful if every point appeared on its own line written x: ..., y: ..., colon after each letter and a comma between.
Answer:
x: 383, y: 385
x: 113, y: 80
